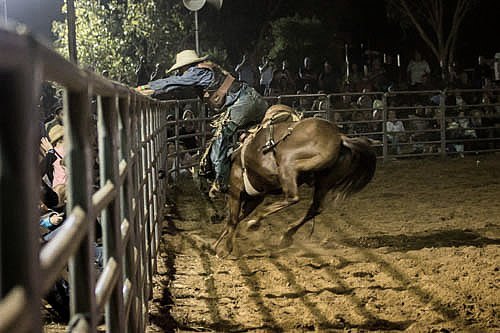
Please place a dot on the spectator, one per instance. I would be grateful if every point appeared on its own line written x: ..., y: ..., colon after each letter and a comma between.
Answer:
x: 395, y: 131
x: 266, y: 70
x: 246, y: 71
x: 327, y: 80
x: 365, y: 100
x: 57, y: 111
x: 482, y: 72
x: 188, y: 129
x: 56, y: 136
x: 308, y: 76
x: 284, y: 80
x: 419, y: 126
x: 354, y: 77
x: 418, y: 71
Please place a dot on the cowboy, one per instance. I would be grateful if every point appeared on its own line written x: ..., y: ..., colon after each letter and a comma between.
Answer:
x: 238, y: 104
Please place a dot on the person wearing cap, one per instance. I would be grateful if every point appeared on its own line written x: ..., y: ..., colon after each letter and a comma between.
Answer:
x: 53, y: 169
x: 238, y: 104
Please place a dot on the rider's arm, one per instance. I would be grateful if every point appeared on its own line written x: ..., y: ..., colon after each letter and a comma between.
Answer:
x: 194, y: 76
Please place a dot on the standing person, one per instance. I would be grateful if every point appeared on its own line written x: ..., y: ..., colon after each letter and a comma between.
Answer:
x: 308, y: 76
x: 266, y: 70
x: 237, y: 103
x: 246, y: 71
x: 418, y: 71
x: 327, y: 80
x: 284, y: 80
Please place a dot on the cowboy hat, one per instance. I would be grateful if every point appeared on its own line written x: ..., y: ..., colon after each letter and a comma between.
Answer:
x: 55, y: 133
x: 186, y: 57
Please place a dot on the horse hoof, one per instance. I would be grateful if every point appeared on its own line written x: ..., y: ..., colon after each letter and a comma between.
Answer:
x: 253, y: 225
x: 286, y: 241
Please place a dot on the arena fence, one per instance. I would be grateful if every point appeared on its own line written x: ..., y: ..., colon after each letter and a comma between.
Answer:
x: 127, y: 200
x: 436, y: 122
x: 139, y: 142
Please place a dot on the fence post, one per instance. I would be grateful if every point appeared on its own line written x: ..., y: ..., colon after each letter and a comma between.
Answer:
x: 126, y: 214
x: 177, y: 163
x: 19, y: 182
x: 78, y: 157
x: 108, y: 166
x: 442, y: 108
x: 384, y: 127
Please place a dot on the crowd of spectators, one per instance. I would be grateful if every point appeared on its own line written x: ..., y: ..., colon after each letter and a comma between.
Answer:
x: 353, y: 99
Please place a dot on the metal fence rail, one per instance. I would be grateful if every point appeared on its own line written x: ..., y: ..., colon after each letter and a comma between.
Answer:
x: 131, y: 149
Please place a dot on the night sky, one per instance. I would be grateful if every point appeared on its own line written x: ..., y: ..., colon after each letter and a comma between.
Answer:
x: 479, y: 34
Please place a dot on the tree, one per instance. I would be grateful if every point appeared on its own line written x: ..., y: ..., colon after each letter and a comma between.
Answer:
x: 295, y: 37
x: 114, y: 35
x: 436, y: 21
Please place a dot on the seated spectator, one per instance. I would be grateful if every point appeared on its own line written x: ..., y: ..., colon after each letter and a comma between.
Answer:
x: 338, y: 119
x: 365, y: 101
x: 188, y: 128
x: 395, y: 131
x: 419, y: 126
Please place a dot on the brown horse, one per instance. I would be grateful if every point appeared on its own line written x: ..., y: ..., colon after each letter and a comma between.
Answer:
x: 282, y: 156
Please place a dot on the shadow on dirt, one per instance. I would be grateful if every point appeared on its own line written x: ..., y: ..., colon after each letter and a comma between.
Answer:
x: 444, y: 238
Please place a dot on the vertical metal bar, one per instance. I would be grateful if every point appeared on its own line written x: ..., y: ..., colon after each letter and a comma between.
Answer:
x: 136, y: 171
x: 78, y: 157
x: 124, y: 128
x: 146, y: 195
x: 442, y: 108
x: 196, y: 32
x: 143, y: 209
x: 108, y: 167
x: 19, y: 181
x: 177, y: 163
x: 203, y: 114
x: 384, y: 127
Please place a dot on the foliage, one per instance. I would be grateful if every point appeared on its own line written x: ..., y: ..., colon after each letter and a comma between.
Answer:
x: 114, y: 35
x: 296, y: 36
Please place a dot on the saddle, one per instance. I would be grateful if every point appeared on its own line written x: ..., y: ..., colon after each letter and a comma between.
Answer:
x: 274, y: 115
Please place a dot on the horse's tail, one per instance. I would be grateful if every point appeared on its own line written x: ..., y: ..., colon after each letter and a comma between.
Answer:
x: 362, y: 162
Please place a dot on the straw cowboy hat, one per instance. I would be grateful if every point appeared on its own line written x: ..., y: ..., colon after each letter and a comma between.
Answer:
x: 55, y: 133
x: 186, y: 57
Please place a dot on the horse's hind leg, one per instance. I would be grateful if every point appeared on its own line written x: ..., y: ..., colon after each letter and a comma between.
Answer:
x: 320, y: 192
x: 288, y: 180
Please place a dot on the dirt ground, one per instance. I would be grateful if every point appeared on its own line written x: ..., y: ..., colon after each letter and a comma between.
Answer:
x: 417, y: 251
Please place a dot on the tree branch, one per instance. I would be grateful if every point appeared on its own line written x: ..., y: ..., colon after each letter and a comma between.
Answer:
x: 419, y: 28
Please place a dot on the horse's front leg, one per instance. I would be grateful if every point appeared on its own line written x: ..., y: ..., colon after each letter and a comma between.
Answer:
x: 228, y: 234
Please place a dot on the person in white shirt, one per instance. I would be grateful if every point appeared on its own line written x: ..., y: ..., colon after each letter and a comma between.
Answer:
x: 418, y: 71
x: 395, y: 131
x: 266, y: 76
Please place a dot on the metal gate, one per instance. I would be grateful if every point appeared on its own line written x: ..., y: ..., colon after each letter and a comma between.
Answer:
x: 127, y: 200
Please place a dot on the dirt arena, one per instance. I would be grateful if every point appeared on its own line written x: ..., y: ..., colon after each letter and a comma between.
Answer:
x: 417, y: 251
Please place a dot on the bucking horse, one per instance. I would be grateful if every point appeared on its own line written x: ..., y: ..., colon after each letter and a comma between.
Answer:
x: 284, y: 152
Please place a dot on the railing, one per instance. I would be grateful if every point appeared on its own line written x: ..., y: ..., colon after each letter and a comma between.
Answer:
x: 131, y: 131
x: 356, y: 118
x: 136, y: 141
